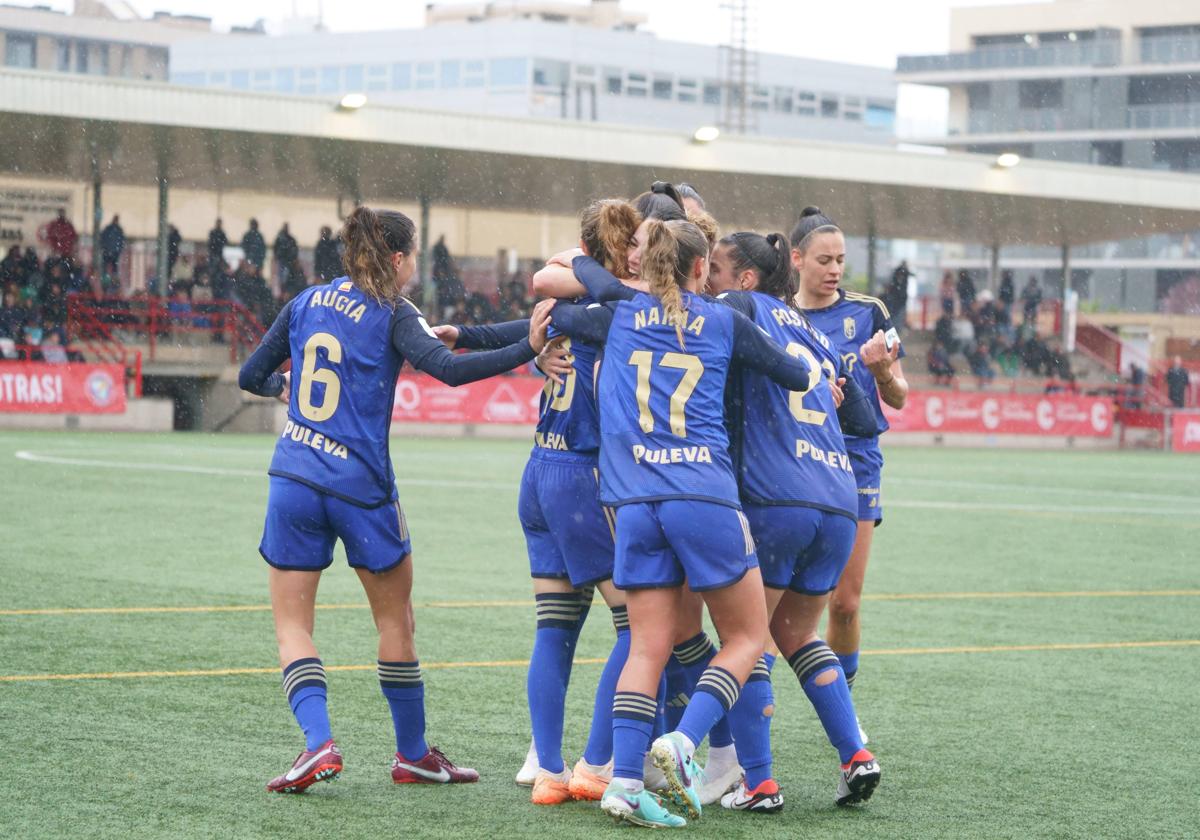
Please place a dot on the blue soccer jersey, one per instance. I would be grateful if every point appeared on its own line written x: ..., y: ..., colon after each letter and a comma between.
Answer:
x: 346, y: 350
x: 790, y: 447
x: 567, y: 417
x: 849, y: 323
x: 344, y: 370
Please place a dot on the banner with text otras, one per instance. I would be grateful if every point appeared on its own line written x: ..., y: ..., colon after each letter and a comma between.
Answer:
x: 42, y: 388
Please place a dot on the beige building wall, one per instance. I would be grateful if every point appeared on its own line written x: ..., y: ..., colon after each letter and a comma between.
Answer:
x: 1064, y: 15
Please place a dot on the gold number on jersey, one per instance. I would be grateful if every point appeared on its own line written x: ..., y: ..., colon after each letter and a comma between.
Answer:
x: 310, y: 373
x: 692, y: 369
x: 796, y: 398
x: 561, y: 400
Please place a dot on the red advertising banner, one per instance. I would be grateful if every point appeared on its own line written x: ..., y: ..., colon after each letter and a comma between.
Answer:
x: 1003, y: 414
x: 502, y: 399
x: 1185, y: 431
x: 41, y: 388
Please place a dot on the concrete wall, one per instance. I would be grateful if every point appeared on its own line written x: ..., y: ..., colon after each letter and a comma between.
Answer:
x: 142, y: 415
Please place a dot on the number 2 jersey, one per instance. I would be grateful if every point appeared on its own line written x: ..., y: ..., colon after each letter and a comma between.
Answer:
x: 346, y: 350
x: 788, y: 446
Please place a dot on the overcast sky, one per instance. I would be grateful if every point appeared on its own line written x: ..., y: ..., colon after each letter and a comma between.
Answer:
x: 858, y: 31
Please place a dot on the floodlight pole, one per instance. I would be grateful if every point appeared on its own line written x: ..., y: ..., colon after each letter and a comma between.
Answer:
x: 429, y: 292
x: 994, y: 269
x: 97, y: 215
x: 162, y: 263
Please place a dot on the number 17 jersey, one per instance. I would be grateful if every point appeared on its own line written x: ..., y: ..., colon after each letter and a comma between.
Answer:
x: 344, y: 371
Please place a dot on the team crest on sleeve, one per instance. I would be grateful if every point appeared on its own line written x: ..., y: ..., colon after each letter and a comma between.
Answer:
x: 848, y: 327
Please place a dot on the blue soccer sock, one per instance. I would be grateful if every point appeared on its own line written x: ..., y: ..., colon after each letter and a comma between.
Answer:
x: 831, y: 701
x: 660, y: 715
x: 716, y: 692
x: 549, y: 671
x: 849, y: 666
x: 600, y: 744
x: 405, y: 694
x: 305, y: 687
x: 691, y: 658
x: 750, y: 719
x: 633, y: 722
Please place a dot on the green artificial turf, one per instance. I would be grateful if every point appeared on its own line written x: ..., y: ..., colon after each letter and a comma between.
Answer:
x: 1081, y: 741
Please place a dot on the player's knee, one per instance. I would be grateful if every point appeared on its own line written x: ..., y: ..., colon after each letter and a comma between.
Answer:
x: 826, y: 677
x: 843, y: 608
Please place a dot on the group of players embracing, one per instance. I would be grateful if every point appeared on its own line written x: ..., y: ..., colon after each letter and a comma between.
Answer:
x: 708, y: 436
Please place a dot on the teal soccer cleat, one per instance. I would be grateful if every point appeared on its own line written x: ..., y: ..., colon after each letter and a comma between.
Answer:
x: 642, y: 808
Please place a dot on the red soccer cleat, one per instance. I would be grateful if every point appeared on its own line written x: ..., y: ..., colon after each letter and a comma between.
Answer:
x: 433, y: 769
x: 320, y: 765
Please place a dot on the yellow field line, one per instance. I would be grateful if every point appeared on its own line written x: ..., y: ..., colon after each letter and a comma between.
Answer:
x: 909, y: 596
x: 520, y: 663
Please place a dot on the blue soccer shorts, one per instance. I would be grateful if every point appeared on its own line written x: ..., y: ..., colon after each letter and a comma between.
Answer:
x: 660, y: 544
x: 867, y: 461
x: 303, y: 524
x: 801, y: 548
x: 568, y: 533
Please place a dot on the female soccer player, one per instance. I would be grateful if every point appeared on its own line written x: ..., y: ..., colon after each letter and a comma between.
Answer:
x: 569, y: 536
x: 332, y: 478
x: 818, y: 254
x: 798, y: 493
x: 665, y: 466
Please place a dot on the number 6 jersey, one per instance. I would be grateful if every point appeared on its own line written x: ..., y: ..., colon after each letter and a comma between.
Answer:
x: 346, y: 350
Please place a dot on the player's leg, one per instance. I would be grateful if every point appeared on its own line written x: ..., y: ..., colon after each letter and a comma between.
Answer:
x: 297, y: 543
x: 721, y: 563
x: 646, y: 569
x: 379, y: 549
x: 794, y: 627
x: 593, y: 771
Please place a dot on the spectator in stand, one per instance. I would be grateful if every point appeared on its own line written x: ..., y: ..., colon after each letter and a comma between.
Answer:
x: 443, y: 263
x: 940, y: 367
x: 254, y: 246
x: 943, y: 332
x: 1137, y: 386
x: 12, y: 317
x: 986, y: 317
x: 181, y: 277
x: 1177, y: 383
x: 222, y: 281
x: 217, y: 240
x: 11, y: 269
x: 981, y: 366
x: 1006, y: 357
x: 180, y: 310
x: 1031, y: 299
x: 35, y: 279
x: 963, y: 332
x: 479, y: 309
x: 285, y: 251
x: 295, y: 281
x: 327, y: 258
x: 174, y: 240
x: 966, y: 291
x: 112, y: 243
x: 61, y: 236
x: 52, y: 349
x: 895, y: 296
x: 54, y: 303
x: 946, y: 293
x: 250, y: 287
x: 30, y: 262
x: 1058, y: 363
x: 1008, y: 290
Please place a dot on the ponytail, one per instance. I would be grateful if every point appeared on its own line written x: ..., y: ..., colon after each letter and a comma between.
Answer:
x: 708, y: 226
x: 770, y: 258
x: 371, y: 237
x: 662, y: 202
x: 667, y: 257
x: 606, y: 228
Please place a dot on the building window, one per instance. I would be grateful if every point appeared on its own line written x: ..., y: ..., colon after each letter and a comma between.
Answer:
x: 62, y: 61
x: 192, y: 79
x: 1107, y: 153
x: 553, y: 74
x: 1040, y: 93
x: 21, y: 51
x: 783, y: 100
x: 218, y: 79
x: 239, y: 79
x: 101, y: 64
x: 979, y: 97
x: 637, y: 85
x: 401, y: 76
x: 451, y: 74
x: 805, y: 111
x: 613, y: 82
x: 880, y: 116
x: 354, y: 77
x: 82, y: 53
x: 308, y: 81
x: 426, y: 75
x: 285, y: 80
x: 829, y: 107
x: 663, y: 88
x: 473, y: 74
x: 331, y: 79
x: 377, y: 78
x: 712, y: 93
x: 508, y: 72
x: 686, y: 90
x: 852, y: 116
x: 587, y: 71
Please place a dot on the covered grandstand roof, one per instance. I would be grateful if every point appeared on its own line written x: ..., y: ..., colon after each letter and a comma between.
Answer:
x: 209, y: 139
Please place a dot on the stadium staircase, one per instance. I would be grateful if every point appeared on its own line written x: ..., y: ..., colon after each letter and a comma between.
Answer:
x: 190, y: 352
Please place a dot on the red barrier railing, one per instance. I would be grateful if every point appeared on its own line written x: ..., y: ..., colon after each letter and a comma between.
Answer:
x: 155, y: 319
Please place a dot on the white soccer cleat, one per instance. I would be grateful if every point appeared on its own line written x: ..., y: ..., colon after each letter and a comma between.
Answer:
x: 529, y: 770
x: 721, y: 774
